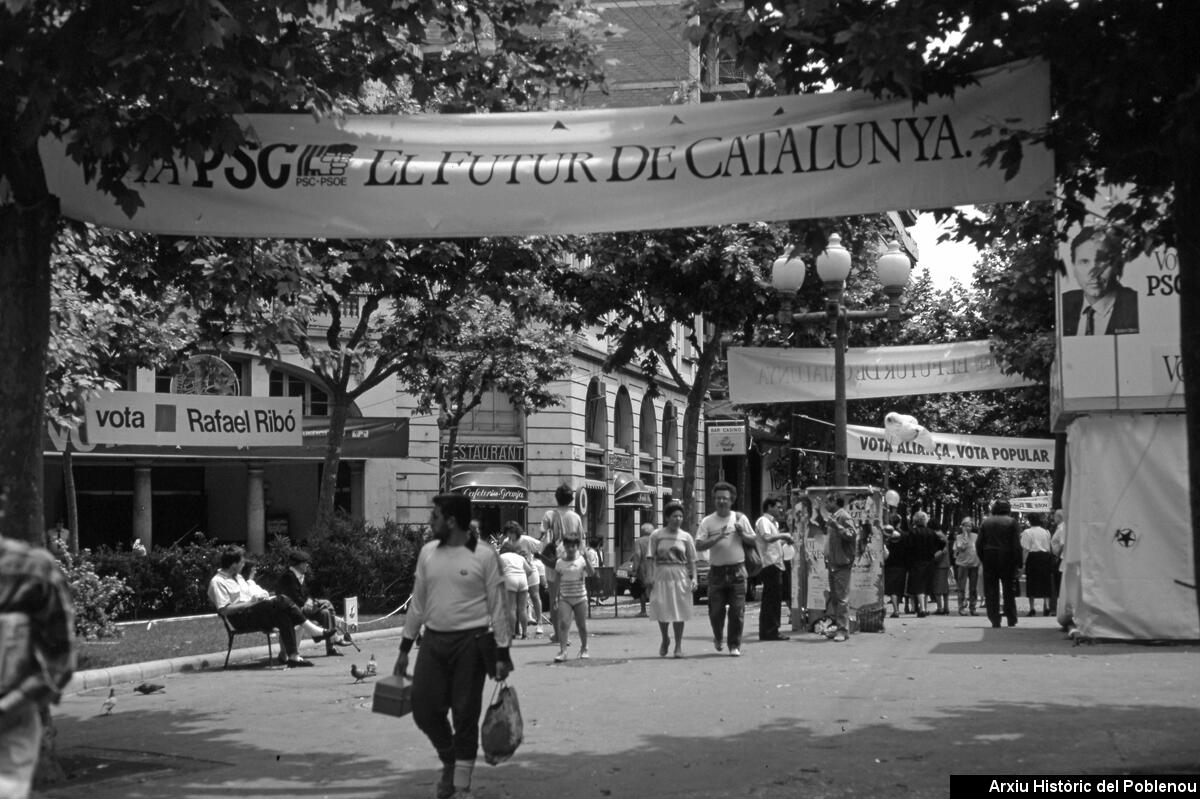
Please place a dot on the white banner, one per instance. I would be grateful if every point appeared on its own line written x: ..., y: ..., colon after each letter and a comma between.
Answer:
x: 792, y: 157
x: 778, y: 374
x: 1039, y: 504
x: 987, y: 452
x: 131, y: 417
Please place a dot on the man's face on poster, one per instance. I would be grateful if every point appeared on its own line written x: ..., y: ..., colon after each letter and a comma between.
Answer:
x: 1095, y: 270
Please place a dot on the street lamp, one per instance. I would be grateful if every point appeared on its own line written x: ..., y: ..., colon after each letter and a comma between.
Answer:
x: 833, y: 267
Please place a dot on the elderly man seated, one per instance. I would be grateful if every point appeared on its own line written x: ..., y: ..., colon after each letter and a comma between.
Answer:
x: 294, y: 585
x: 232, y: 597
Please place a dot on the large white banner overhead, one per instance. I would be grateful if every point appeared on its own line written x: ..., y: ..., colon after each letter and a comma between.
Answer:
x: 988, y: 452
x: 444, y: 176
x: 778, y: 374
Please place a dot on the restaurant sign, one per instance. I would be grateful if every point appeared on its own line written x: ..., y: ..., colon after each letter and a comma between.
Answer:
x: 485, y: 452
x: 494, y: 494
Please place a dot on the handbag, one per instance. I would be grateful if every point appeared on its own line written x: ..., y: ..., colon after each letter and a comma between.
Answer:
x: 754, y: 561
x: 393, y: 696
x: 502, y: 729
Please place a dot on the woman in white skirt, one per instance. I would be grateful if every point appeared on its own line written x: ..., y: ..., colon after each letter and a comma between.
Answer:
x: 672, y: 577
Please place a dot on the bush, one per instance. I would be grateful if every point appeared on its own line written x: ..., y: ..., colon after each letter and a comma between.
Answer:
x: 376, y: 564
x: 172, y: 581
x: 98, y: 599
x: 349, y: 558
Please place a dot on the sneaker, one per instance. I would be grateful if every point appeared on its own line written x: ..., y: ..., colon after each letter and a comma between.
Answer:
x: 717, y: 643
x: 841, y: 636
x: 735, y: 652
x: 538, y: 631
x: 583, y: 654
x: 560, y: 657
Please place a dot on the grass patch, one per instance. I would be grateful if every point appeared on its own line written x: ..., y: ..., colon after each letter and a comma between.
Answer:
x: 160, y: 640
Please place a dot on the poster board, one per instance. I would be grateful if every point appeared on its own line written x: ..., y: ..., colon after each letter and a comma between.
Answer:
x: 1131, y: 360
x: 350, y: 613
x: 865, y: 504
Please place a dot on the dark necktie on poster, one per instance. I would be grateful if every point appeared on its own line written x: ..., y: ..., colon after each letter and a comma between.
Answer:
x: 1090, y: 328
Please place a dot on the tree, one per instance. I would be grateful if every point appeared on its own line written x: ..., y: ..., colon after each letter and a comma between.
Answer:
x: 452, y: 318
x: 1110, y: 126
x: 489, y: 346
x: 135, y: 83
x: 100, y: 330
x: 641, y: 286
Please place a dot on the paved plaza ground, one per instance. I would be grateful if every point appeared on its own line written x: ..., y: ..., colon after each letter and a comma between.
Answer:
x: 885, y: 714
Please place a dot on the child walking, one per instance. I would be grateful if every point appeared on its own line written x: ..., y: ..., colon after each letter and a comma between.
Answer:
x: 572, y: 568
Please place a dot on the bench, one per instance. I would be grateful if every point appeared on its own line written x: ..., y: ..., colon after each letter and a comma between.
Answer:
x: 233, y: 631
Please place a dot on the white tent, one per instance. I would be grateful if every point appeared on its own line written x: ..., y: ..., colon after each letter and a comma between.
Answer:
x: 1128, y: 568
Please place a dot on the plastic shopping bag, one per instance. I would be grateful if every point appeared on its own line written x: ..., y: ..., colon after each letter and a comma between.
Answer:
x: 502, y: 730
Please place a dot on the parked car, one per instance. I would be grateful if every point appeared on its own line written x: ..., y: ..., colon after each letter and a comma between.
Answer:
x: 624, y: 574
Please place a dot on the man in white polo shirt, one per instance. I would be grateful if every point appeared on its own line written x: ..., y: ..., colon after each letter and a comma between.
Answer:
x: 722, y: 534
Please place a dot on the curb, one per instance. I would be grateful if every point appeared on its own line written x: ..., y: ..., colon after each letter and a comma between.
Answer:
x: 137, y: 672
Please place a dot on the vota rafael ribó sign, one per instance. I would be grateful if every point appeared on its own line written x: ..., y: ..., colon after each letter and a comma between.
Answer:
x: 129, y: 417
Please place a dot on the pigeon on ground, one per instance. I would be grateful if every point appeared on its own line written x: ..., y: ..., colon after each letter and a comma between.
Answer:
x: 149, y: 688
x: 358, y: 676
x: 111, y: 702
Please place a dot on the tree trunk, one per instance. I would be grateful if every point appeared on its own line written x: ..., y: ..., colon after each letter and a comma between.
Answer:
x: 72, y: 501
x: 1187, y: 206
x: 26, y: 235
x: 333, y: 458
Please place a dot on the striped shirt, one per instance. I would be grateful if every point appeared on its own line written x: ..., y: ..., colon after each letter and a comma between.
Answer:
x: 571, y: 573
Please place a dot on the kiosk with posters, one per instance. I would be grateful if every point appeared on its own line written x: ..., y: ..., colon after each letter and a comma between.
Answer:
x: 865, y: 504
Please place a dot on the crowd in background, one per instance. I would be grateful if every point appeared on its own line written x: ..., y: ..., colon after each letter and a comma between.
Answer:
x: 925, y: 563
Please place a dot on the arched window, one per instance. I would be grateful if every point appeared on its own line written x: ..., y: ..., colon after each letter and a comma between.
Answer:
x: 597, y: 415
x: 623, y: 422
x: 286, y: 384
x: 647, y: 429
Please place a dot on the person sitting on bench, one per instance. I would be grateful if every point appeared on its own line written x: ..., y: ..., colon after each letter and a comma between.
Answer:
x: 294, y: 585
x: 231, y: 596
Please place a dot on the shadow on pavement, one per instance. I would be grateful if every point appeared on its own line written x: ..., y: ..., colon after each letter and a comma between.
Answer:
x: 782, y: 757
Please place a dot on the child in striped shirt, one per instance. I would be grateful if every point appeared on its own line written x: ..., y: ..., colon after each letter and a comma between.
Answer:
x: 572, y: 569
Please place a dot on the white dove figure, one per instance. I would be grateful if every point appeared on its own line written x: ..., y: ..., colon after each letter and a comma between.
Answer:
x: 109, y: 703
x: 899, y: 428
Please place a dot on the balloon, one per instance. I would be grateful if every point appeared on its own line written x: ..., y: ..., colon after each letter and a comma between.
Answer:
x: 899, y: 429
x: 891, y: 498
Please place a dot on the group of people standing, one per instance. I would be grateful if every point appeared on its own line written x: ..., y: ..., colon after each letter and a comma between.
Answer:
x: 921, y: 558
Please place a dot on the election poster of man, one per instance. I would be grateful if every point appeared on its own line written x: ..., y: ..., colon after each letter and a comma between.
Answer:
x: 1117, y: 320
x: 864, y: 504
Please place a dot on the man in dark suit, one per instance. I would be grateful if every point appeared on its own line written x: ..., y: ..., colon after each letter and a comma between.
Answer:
x: 1101, y: 305
x: 294, y: 585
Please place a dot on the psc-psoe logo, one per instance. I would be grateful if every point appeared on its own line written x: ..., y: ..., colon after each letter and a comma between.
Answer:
x: 324, y: 164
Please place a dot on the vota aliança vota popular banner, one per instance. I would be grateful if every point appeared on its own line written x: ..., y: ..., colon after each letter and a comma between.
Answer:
x: 987, y: 452
x: 455, y: 175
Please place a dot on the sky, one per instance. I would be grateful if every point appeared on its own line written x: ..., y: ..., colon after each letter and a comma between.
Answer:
x: 945, y: 261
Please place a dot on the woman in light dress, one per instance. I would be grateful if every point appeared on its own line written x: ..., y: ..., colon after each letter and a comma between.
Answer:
x: 673, y: 577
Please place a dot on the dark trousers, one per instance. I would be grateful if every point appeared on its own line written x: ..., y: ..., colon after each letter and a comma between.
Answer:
x: 772, y: 596
x: 727, y: 587
x: 278, y: 613
x: 787, y: 583
x: 321, y: 612
x: 448, y: 679
x: 999, y: 576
